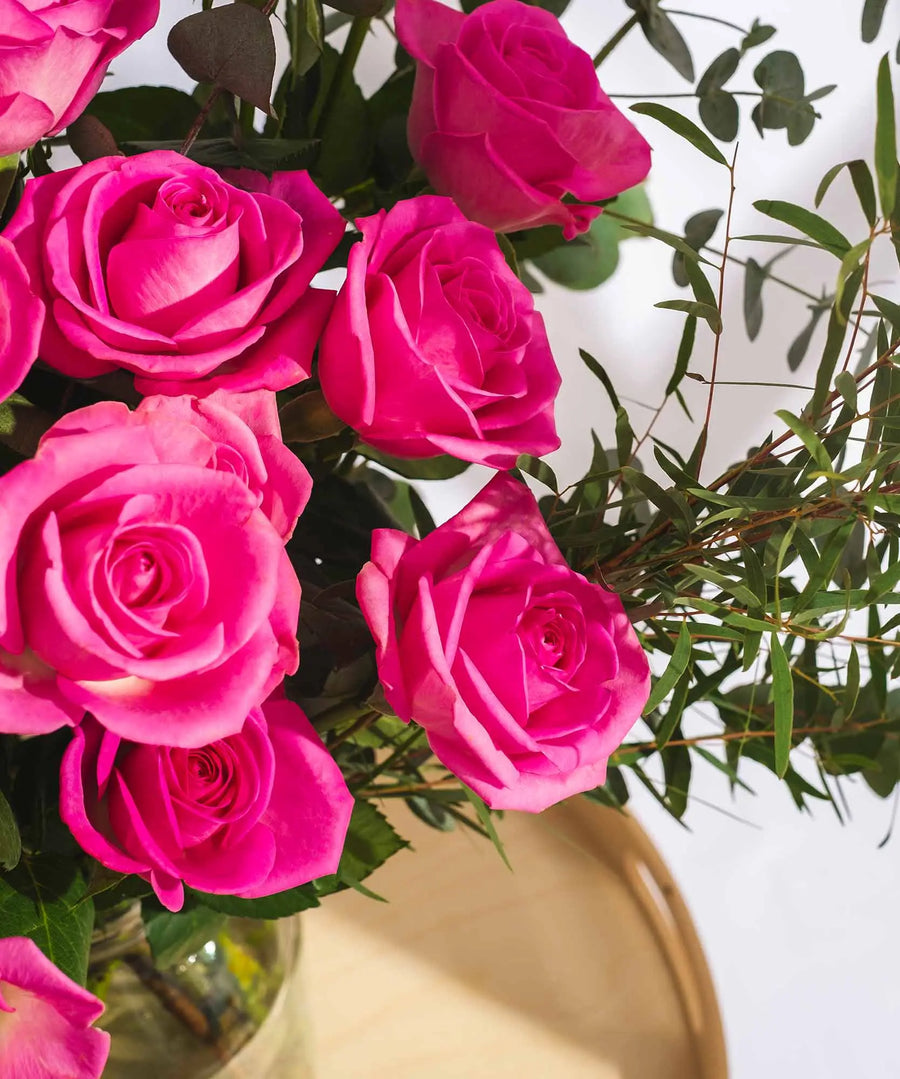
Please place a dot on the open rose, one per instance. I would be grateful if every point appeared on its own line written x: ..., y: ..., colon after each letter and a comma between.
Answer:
x: 53, y: 56
x: 434, y: 345
x: 508, y: 117
x: 525, y: 675
x: 45, y: 1019
x: 249, y: 815
x: 246, y: 433
x: 140, y: 580
x: 158, y: 265
x: 21, y: 319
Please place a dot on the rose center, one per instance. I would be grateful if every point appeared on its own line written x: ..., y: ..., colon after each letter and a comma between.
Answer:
x: 195, y: 202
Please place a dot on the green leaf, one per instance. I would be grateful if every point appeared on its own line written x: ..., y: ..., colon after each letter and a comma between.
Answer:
x: 598, y: 371
x: 10, y: 840
x: 358, y: 7
x: 664, y: 685
x: 872, y: 16
x: 800, y: 346
x: 734, y: 588
x: 370, y: 841
x: 682, y: 126
x: 671, y: 503
x: 759, y: 34
x: 539, y: 469
x: 851, y: 685
x: 592, y: 258
x: 665, y: 38
x: 281, y: 905
x: 845, y: 384
x: 783, y: 700
x: 232, y: 47
x: 424, y: 522
x: 668, y: 238
x: 754, y: 278
x: 346, y: 148
x: 624, y: 436
x: 808, y: 437
x: 174, y: 936
x: 720, y: 114
x: 9, y: 171
x: 411, y: 468
x: 265, y: 155
x: 862, y: 183
x: 487, y: 822
x: 718, y: 72
x: 145, y: 112
x: 683, y: 358
x: 702, y: 289
x: 698, y: 231
x: 45, y: 899
x: 886, y: 140
x: 834, y: 340
x: 814, y: 226
x: 705, y: 311
x: 677, y: 770
x: 675, y: 711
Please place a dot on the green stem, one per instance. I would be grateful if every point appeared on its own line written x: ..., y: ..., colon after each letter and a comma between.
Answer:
x: 354, y: 43
x: 397, y: 755
x: 626, y: 26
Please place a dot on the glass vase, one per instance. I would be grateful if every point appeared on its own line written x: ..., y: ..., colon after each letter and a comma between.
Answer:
x: 231, y: 1008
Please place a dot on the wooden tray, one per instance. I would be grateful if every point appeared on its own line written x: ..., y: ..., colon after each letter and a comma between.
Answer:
x: 583, y: 963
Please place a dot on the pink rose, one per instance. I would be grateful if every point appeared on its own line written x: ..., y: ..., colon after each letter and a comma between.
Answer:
x: 525, y: 675
x: 140, y: 578
x: 45, y: 1019
x: 434, y: 345
x: 156, y: 264
x: 508, y: 117
x: 247, y: 436
x: 53, y: 56
x: 21, y: 319
x: 252, y: 814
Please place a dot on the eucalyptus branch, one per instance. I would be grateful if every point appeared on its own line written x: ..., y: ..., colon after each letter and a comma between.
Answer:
x: 628, y: 25
x: 720, y: 299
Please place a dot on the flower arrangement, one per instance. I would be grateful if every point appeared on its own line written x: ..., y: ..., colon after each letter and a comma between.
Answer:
x: 229, y: 627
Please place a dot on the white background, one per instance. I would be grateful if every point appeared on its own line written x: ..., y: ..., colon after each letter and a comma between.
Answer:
x: 798, y: 914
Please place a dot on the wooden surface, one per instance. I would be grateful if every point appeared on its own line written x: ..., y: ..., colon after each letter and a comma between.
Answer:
x: 581, y: 964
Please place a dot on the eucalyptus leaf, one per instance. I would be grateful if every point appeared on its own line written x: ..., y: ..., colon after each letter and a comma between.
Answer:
x: 232, y: 47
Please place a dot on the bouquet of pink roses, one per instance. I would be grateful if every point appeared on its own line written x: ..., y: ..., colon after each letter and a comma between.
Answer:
x: 229, y: 627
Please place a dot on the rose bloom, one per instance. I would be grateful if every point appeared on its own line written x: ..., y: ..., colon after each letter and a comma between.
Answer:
x: 248, y: 815
x: 158, y: 265
x: 434, y: 345
x: 246, y: 435
x: 53, y: 56
x: 524, y: 675
x: 141, y: 578
x: 21, y: 319
x: 45, y: 1019
x: 508, y: 117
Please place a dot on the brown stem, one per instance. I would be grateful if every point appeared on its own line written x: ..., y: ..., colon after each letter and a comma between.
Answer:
x: 720, y: 299
x: 733, y: 736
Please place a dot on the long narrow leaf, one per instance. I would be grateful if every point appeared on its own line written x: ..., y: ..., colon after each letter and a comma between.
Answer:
x: 783, y: 700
